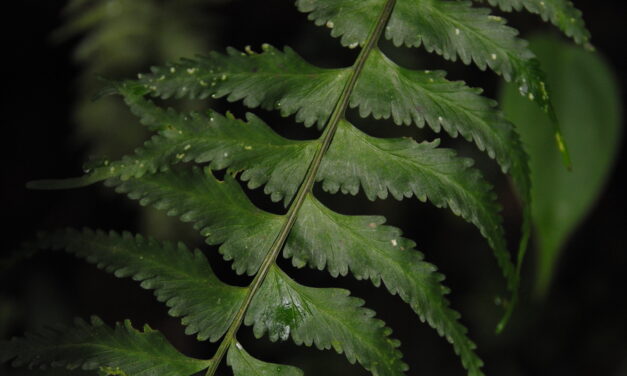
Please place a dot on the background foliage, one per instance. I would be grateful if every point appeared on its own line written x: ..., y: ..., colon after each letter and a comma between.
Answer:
x: 579, y: 329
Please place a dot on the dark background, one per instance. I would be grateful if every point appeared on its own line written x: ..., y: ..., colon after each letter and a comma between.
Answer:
x: 579, y: 329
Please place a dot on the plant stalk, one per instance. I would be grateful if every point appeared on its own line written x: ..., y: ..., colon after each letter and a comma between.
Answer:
x: 305, y: 188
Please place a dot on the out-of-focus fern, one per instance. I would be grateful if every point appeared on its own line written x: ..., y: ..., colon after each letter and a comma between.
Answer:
x: 343, y: 159
x: 118, y: 38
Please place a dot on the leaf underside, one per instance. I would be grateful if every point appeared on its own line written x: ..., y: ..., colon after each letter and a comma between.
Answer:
x: 94, y: 346
x: 159, y: 174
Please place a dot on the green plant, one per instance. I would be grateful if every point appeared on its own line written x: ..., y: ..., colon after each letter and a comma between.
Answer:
x: 587, y: 102
x: 118, y: 38
x: 343, y: 159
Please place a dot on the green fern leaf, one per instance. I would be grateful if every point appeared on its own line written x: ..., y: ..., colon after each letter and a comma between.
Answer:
x: 181, y: 279
x: 450, y: 28
x: 561, y: 13
x: 220, y: 210
x: 426, y: 97
x: 245, y: 365
x: 94, y: 346
x: 361, y: 244
x: 342, y: 159
x: 271, y: 80
x: 406, y: 168
x: 326, y: 318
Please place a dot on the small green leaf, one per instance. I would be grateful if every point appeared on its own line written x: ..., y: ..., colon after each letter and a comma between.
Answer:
x: 349, y: 20
x: 427, y: 97
x: 181, y: 279
x: 326, y: 318
x: 219, y: 209
x: 122, y: 350
x: 245, y: 365
x: 272, y: 79
x: 456, y: 29
x: 562, y: 13
x: 588, y: 105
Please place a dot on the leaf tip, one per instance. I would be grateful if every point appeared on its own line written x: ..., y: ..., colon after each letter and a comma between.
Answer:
x: 563, y: 149
x: 59, y: 184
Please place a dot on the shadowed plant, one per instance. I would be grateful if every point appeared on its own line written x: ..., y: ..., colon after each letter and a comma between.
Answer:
x: 174, y: 172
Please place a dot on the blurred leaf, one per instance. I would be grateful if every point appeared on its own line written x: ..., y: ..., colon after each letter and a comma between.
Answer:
x: 587, y: 103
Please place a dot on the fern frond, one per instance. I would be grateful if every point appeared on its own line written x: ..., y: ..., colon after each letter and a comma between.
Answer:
x: 327, y: 318
x: 181, y: 279
x: 561, y: 13
x: 94, y: 346
x: 362, y: 244
x: 343, y: 159
x: 272, y: 79
x: 219, y: 210
x: 243, y: 364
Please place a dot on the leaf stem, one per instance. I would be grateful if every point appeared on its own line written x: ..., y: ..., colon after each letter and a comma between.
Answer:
x: 305, y: 188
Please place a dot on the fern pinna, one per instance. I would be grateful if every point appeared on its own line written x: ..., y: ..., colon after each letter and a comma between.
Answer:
x: 343, y: 159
